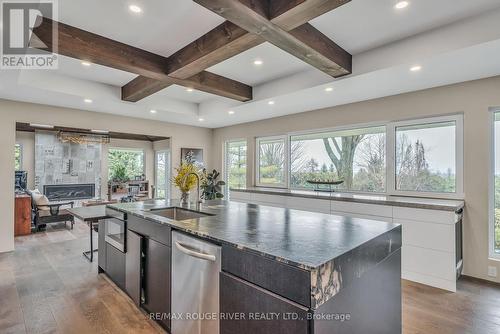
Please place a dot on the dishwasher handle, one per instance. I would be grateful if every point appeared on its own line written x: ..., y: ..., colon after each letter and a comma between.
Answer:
x: 192, y: 253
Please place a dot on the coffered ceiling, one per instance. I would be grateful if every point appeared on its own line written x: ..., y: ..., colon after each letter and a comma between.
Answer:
x: 440, y: 36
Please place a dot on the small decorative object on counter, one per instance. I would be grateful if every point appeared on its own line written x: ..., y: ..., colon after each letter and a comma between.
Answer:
x: 184, y: 180
x: 317, y: 183
x: 211, y: 188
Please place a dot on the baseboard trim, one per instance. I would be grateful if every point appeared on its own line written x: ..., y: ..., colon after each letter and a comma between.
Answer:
x: 482, y: 280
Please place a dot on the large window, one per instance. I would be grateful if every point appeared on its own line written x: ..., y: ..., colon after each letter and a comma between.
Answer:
x: 125, y: 163
x: 356, y: 157
x: 426, y: 157
x: 18, y: 157
x: 271, y: 161
x: 235, y: 172
x: 495, y: 200
x: 414, y: 158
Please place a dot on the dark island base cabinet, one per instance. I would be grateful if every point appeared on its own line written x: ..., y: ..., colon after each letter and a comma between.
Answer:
x: 144, y: 271
x: 240, y: 298
x: 157, y: 281
x: 148, y: 277
x: 134, y: 266
x: 373, y: 303
x: 115, y: 265
x: 370, y: 304
x: 101, y: 254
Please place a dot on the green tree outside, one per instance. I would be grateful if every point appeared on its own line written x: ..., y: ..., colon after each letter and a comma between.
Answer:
x: 132, y: 160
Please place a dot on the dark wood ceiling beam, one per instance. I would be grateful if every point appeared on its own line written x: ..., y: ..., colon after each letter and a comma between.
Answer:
x: 84, y: 45
x: 221, y: 43
x: 26, y: 127
x: 142, y: 87
x: 306, y: 43
x: 289, y: 14
x: 152, y: 68
x: 228, y: 39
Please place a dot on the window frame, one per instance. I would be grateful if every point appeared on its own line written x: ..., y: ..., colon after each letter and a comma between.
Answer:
x: 225, y: 172
x: 21, y: 148
x: 286, y: 162
x: 459, y: 157
x: 168, y: 172
x: 130, y: 149
x: 335, y: 129
x: 390, y: 186
x: 491, y: 187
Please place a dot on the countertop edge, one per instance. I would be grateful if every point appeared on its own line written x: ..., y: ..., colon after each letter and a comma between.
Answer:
x: 389, y: 202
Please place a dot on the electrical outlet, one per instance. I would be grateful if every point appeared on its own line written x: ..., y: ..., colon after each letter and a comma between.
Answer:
x: 492, y: 271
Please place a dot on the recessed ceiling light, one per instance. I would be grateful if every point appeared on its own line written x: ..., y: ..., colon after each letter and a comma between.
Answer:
x: 258, y: 62
x: 401, y: 4
x: 152, y: 111
x: 270, y: 103
x: 200, y: 119
x: 100, y: 131
x: 230, y: 112
x: 416, y: 68
x: 328, y: 89
x: 42, y: 126
x: 189, y: 90
x: 88, y: 101
x: 135, y: 9
x: 86, y: 63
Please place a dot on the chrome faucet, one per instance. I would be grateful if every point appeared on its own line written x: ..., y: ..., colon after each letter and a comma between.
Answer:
x: 198, y: 199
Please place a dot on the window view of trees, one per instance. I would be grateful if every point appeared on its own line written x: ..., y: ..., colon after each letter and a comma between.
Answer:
x: 18, y: 157
x: 497, y: 185
x: 236, y: 164
x: 356, y: 157
x: 425, y: 157
x: 272, y: 161
x: 125, y: 164
x: 162, y: 172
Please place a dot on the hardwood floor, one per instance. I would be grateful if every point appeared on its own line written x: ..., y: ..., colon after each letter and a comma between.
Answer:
x: 47, y: 286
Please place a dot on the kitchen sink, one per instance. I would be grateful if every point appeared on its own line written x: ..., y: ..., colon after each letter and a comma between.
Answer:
x: 176, y: 213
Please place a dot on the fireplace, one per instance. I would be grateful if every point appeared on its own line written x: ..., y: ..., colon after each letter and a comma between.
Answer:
x: 62, y: 192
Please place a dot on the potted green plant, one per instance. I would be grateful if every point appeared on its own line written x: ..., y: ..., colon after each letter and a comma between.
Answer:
x: 211, y: 187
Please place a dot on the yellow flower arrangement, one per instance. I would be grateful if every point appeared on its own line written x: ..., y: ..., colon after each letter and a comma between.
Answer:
x: 181, y: 180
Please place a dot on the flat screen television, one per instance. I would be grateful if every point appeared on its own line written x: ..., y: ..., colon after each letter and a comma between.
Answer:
x: 21, y: 181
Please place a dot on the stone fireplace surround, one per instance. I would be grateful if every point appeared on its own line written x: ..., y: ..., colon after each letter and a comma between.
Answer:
x: 66, y: 171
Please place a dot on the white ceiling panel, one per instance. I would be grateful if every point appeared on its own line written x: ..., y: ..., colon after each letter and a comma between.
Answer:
x: 182, y: 93
x: 362, y: 25
x: 74, y: 68
x: 163, y: 27
x: 275, y: 64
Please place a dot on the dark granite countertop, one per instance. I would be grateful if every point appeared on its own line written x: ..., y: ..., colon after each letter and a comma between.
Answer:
x: 303, y: 239
x: 401, y: 201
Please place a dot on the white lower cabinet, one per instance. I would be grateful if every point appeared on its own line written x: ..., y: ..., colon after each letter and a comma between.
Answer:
x: 308, y: 204
x: 431, y: 251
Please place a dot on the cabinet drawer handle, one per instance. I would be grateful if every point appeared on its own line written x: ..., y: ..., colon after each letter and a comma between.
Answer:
x: 189, y: 252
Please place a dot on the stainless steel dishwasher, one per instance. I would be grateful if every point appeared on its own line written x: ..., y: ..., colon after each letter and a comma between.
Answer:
x: 196, y: 265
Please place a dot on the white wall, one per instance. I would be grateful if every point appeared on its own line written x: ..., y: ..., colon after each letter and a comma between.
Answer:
x: 473, y: 99
x: 12, y: 112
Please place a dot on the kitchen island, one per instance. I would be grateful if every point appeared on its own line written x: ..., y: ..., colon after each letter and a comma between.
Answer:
x: 281, y: 270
